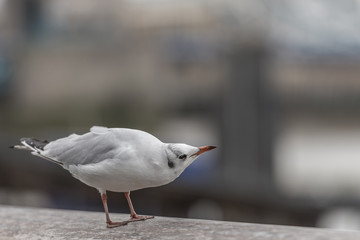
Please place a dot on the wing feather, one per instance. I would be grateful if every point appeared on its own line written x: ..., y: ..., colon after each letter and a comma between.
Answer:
x: 82, y: 149
x: 98, y: 145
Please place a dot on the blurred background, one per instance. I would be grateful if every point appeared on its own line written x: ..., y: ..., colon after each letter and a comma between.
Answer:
x: 274, y: 84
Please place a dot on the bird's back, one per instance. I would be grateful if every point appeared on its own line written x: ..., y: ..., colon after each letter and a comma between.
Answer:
x: 99, y: 144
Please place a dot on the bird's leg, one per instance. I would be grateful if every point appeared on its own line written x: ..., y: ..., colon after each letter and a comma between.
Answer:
x: 109, y: 223
x: 133, y: 216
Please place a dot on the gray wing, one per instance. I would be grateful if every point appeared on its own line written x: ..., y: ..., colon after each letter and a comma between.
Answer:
x: 95, y: 146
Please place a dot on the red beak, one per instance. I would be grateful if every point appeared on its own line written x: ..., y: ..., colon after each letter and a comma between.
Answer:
x: 203, y: 149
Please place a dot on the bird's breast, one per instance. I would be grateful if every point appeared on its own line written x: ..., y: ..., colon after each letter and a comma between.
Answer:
x: 122, y: 176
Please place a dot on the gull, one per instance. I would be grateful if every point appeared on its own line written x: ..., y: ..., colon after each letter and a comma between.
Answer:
x: 117, y: 160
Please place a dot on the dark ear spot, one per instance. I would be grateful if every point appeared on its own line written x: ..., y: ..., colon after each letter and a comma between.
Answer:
x: 171, y: 164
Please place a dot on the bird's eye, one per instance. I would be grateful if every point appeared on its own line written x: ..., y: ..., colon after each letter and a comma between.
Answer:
x: 182, y: 156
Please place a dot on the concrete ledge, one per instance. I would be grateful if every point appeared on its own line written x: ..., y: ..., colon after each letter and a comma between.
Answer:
x: 33, y: 223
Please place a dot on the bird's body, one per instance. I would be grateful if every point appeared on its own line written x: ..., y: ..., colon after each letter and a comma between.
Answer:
x: 117, y: 159
x: 113, y: 159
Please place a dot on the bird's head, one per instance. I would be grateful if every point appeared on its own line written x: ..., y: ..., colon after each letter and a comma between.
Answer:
x: 180, y: 156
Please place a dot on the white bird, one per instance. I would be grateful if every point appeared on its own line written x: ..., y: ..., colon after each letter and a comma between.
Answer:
x: 118, y: 160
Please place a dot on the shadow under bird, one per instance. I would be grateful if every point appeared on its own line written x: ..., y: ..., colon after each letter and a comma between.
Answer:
x: 118, y: 160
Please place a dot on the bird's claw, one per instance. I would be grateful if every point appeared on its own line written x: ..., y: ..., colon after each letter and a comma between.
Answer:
x: 132, y: 219
x: 139, y: 218
x: 116, y: 224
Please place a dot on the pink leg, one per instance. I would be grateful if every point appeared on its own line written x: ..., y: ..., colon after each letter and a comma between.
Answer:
x: 133, y: 216
x: 109, y: 223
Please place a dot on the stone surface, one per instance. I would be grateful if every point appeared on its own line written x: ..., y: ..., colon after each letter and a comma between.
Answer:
x: 33, y: 223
